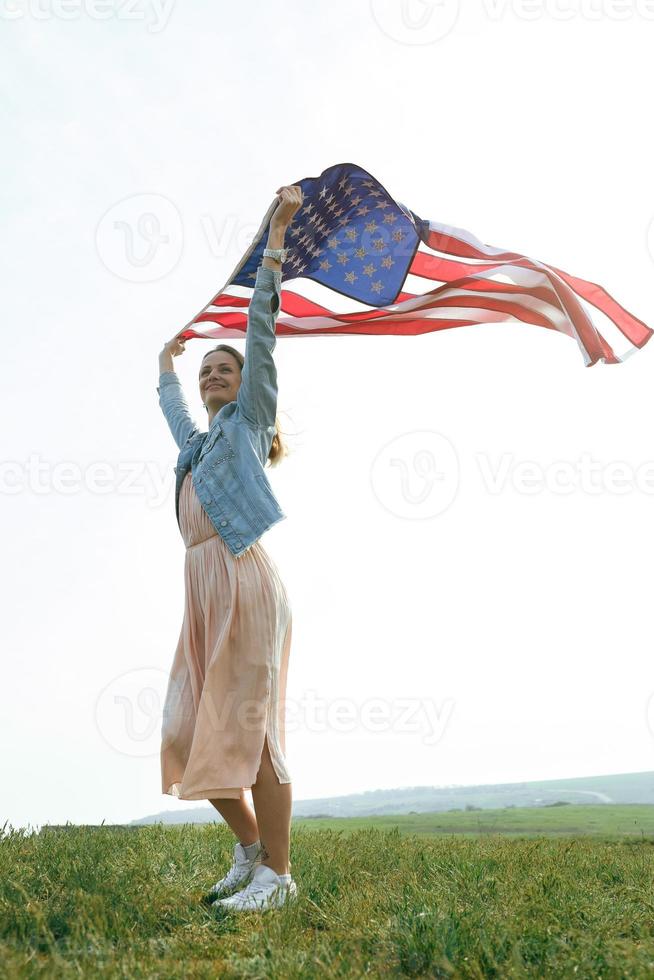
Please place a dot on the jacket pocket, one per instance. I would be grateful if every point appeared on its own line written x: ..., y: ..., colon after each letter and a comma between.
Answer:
x: 218, y: 445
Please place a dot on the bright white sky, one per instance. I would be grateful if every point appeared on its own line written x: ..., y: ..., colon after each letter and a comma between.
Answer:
x: 513, y: 618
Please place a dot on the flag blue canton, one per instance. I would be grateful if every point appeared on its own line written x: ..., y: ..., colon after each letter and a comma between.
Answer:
x: 349, y: 235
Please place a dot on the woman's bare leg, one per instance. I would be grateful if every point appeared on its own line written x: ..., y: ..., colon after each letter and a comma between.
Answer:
x: 240, y: 819
x: 272, y: 803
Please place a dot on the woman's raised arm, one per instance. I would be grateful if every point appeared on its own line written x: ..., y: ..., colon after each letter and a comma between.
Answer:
x: 257, y: 393
x: 171, y: 394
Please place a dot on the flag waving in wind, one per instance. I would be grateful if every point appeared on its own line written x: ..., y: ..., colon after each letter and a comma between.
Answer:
x: 361, y: 262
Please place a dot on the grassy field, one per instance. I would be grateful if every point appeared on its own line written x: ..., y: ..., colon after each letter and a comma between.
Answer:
x: 626, y: 820
x: 374, y: 900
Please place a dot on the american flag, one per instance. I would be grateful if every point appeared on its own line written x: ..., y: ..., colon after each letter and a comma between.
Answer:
x: 361, y: 262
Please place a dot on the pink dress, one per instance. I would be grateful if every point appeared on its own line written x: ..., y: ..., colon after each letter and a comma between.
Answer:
x: 227, y: 684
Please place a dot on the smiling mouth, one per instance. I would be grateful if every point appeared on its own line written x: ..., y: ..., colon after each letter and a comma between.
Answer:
x: 215, y: 386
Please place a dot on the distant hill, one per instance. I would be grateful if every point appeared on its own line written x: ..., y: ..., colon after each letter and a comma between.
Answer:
x: 632, y: 787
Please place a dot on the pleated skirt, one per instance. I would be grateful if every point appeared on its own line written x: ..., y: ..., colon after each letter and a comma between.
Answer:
x: 227, y: 687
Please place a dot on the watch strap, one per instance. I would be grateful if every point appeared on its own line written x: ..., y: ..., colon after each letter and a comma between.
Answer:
x: 280, y: 254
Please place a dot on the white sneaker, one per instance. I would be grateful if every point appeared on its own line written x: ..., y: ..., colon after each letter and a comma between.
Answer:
x: 265, y: 890
x: 240, y: 872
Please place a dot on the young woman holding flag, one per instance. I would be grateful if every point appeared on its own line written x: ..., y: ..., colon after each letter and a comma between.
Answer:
x: 223, y: 720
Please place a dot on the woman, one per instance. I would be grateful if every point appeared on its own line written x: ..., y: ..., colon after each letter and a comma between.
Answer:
x: 223, y: 721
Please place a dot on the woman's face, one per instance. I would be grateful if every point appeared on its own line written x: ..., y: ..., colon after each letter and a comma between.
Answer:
x: 220, y: 377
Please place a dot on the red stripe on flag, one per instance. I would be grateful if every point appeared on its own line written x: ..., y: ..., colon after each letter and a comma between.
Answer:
x: 637, y: 332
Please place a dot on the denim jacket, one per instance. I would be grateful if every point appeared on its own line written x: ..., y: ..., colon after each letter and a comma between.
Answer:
x: 227, y: 462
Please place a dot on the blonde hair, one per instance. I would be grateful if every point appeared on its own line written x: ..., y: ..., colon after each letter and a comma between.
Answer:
x: 279, y: 448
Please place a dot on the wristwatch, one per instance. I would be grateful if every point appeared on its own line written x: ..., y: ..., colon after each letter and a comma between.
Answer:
x: 281, y: 254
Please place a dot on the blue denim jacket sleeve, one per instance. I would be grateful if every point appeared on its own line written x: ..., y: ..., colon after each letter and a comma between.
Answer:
x: 175, y: 408
x: 257, y: 393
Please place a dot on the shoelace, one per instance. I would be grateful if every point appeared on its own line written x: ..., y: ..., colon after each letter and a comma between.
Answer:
x: 234, y: 873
